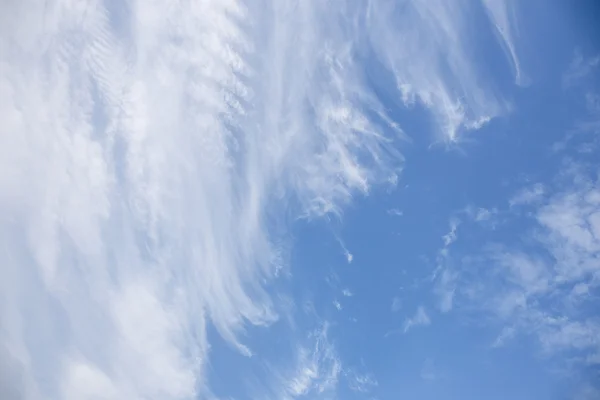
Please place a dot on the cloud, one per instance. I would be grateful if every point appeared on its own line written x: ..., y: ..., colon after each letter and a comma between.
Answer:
x: 581, y: 80
x: 571, y: 222
x: 396, y: 304
x: 428, y: 46
x: 503, y: 16
x: 349, y: 257
x: 419, y: 319
x: 530, y: 274
x: 528, y: 195
x: 445, y: 289
x: 484, y: 214
x: 361, y: 382
x: 443, y: 276
x: 395, y: 212
x: 315, y: 372
x: 151, y: 155
x: 579, y: 68
x: 428, y: 371
x: 450, y: 237
x: 145, y: 161
x: 507, y: 333
x: 546, y: 286
x: 337, y: 305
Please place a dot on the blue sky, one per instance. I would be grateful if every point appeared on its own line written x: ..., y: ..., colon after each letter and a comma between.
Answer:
x: 300, y: 200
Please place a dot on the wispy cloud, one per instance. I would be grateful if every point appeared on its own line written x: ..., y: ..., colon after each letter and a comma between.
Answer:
x: 396, y: 212
x: 482, y: 215
x: 419, y: 319
x: 315, y: 373
x: 445, y: 289
x: 450, y: 237
x: 579, y: 69
x: 361, y: 382
x: 347, y: 255
x: 503, y: 16
x: 396, y: 304
x: 544, y: 287
x: 581, y: 79
x: 528, y: 195
x: 507, y: 333
x: 151, y: 154
x: 337, y: 305
x: 147, y: 149
x: 443, y: 276
x: 410, y: 38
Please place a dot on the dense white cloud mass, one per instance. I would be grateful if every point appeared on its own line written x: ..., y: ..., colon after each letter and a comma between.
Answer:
x: 151, y: 153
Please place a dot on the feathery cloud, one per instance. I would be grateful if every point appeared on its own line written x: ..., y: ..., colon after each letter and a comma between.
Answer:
x: 548, y: 286
x: 151, y: 152
x: 419, y: 319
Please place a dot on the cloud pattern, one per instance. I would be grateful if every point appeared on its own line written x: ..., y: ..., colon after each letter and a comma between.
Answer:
x: 156, y: 156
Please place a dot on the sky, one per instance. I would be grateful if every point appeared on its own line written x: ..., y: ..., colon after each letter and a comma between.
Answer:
x: 299, y: 199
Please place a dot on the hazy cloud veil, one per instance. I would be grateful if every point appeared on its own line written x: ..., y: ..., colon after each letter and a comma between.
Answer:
x: 152, y: 153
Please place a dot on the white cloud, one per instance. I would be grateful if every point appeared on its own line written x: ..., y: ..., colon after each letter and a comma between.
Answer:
x: 507, y: 333
x: 528, y: 195
x: 361, y: 382
x: 528, y: 273
x: 503, y: 16
x: 395, y: 212
x: 450, y: 237
x: 85, y: 381
x: 445, y: 289
x: 489, y: 218
x: 579, y: 68
x: 134, y: 211
x: 546, y: 286
x: 150, y: 154
x: 566, y: 334
x: 349, y: 257
x: 347, y: 293
x: 316, y: 371
x: 337, y: 305
x: 483, y: 215
x: 443, y: 276
x: 396, y: 304
x: 428, y: 45
x: 419, y: 319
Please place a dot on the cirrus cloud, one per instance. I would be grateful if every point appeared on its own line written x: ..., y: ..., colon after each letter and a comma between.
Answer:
x: 152, y: 152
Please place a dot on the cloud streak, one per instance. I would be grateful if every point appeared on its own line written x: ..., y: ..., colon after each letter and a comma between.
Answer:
x: 315, y: 371
x: 151, y: 156
x: 410, y: 37
x: 419, y: 319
